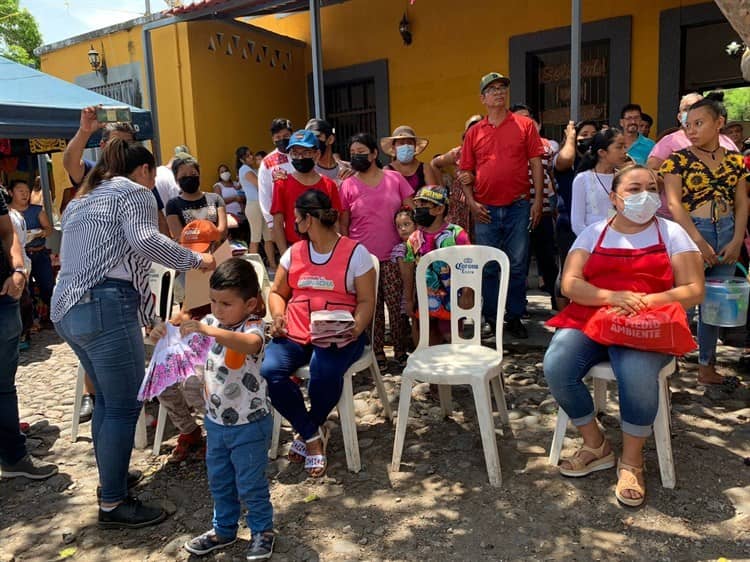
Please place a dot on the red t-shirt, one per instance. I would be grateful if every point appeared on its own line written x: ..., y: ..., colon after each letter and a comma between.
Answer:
x: 499, y: 156
x: 285, y: 194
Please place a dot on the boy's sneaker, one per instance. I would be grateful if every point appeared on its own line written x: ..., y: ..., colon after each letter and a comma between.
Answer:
x: 30, y: 467
x: 131, y: 514
x: 261, y: 546
x: 207, y: 542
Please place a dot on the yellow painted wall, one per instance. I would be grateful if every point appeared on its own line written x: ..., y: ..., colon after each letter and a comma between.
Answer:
x: 434, y: 82
x: 236, y: 92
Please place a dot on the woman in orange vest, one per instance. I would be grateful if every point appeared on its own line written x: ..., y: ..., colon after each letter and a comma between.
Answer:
x: 323, y: 271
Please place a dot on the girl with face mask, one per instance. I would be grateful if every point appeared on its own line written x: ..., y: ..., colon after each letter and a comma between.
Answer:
x: 707, y: 195
x: 192, y: 203
x: 370, y: 199
x: 234, y: 199
x: 628, y: 263
x: 404, y: 146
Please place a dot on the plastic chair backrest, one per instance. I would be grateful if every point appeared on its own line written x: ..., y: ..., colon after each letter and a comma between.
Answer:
x: 376, y: 266
x: 155, y: 281
x: 466, y: 265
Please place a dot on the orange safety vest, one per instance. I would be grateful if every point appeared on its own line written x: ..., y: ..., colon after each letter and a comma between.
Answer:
x: 317, y: 286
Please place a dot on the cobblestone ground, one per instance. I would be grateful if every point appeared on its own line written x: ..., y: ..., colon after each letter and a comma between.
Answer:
x: 439, y: 506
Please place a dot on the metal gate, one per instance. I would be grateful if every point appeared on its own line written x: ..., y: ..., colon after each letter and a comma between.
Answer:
x: 126, y: 91
x: 350, y: 108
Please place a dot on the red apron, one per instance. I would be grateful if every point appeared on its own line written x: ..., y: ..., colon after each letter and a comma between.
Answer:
x: 646, y: 270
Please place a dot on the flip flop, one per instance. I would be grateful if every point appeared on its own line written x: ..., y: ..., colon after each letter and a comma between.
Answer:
x: 318, y: 462
x: 299, y: 449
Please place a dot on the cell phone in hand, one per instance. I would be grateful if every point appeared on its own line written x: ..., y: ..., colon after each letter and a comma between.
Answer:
x: 113, y: 114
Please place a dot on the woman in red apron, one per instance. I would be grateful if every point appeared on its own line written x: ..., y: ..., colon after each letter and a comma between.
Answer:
x: 631, y: 262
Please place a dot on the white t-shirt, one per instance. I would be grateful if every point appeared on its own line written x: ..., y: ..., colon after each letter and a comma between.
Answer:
x: 235, y: 396
x: 234, y: 207
x: 590, y: 201
x: 675, y: 238
x: 250, y: 189
x: 360, y: 263
x: 274, y: 160
x: 166, y: 184
x: 19, y: 225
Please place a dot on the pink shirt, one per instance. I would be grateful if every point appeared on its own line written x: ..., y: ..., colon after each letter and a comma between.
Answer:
x: 372, y: 210
x: 678, y: 140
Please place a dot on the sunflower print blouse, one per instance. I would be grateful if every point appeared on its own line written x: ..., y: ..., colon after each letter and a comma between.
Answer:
x: 700, y: 185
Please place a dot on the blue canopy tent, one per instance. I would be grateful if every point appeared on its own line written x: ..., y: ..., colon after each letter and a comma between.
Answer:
x: 36, y: 105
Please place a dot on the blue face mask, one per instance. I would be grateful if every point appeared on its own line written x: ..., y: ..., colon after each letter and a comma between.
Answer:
x: 405, y: 153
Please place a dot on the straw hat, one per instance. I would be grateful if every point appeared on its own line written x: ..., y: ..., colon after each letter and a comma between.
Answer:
x: 745, y: 128
x: 402, y: 132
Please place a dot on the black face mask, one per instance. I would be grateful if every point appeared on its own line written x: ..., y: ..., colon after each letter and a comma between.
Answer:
x: 281, y: 145
x: 583, y: 145
x: 360, y: 162
x: 423, y: 217
x: 303, y: 165
x: 302, y: 235
x: 190, y: 184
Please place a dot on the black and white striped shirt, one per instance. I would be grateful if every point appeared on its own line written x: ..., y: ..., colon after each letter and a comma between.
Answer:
x: 113, y: 227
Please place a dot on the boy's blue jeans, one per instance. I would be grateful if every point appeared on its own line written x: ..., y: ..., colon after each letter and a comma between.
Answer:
x: 571, y: 354
x: 104, y: 332
x: 236, y: 460
x: 327, y: 367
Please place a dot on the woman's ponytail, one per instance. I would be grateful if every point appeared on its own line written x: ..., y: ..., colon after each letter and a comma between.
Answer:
x: 119, y: 158
x: 600, y: 141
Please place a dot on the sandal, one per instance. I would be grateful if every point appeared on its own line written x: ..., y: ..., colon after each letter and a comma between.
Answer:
x: 316, y: 465
x: 578, y: 468
x: 297, y: 452
x: 631, y: 478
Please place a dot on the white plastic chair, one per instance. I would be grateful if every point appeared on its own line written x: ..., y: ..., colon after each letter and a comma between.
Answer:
x: 464, y: 361
x: 156, y: 275
x: 602, y: 374
x: 345, y: 405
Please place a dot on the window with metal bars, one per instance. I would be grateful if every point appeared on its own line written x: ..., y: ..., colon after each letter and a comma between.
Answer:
x: 350, y: 109
x: 126, y: 91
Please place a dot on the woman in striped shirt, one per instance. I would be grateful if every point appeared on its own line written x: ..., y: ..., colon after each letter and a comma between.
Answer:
x: 102, y: 298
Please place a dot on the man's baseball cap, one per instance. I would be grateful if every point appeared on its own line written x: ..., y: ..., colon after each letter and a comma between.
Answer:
x: 488, y: 79
x: 303, y: 138
x: 319, y: 126
x: 198, y: 235
x: 436, y: 194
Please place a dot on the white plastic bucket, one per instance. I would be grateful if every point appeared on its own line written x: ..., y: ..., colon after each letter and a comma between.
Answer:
x: 726, y: 301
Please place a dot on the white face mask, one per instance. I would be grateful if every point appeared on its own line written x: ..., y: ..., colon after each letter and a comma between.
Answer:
x: 641, y: 207
x: 225, y: 176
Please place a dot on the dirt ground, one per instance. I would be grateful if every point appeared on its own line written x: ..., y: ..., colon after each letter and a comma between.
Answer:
x: 440, y: 506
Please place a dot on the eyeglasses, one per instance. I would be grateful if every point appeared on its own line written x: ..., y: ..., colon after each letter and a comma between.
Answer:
x: 495, y: 89
x: 302, y: 153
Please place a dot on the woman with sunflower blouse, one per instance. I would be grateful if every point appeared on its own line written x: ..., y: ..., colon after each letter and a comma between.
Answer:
x: 706, y: 192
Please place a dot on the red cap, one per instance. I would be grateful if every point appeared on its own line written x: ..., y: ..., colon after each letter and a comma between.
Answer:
x: 198, y: 235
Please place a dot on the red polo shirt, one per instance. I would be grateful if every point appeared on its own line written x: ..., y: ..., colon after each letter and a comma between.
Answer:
x: 499, y: 156
x: 285, y: 193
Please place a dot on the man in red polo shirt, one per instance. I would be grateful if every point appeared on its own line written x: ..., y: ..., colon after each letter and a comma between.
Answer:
x: 495, y: 160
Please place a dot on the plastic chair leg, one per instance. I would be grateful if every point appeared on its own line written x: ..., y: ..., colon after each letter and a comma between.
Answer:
x: 273, y: 452
x: 499, y: 392
x: 349, y: 425
x: 559, y: 436
x: 161, y: 424
x: 487, y: 431
x: 80, y: 379
x: 141, y: 436
x: 401, y: 421
x: 444, y: 392
x: 382, y: 394
x: 600, y: 395
x: 663, y: 438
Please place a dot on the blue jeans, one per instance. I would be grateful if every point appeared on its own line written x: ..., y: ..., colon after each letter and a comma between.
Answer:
x: 507, y: 230
x: 571, y: 354
x: 327, y: 367
x: 236, y: 460
x: 104, y: 332
x: 12, y: 441
x: 717, y: 234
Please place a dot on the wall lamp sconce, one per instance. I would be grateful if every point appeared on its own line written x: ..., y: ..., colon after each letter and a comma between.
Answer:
x: 97, y: 62
x: 403, y: 29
